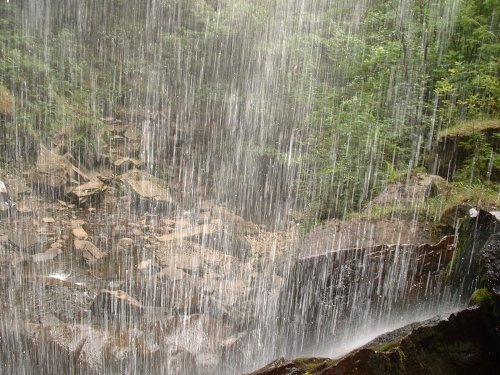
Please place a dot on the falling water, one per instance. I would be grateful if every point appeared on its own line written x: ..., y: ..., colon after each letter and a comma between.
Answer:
x: 220, y: 96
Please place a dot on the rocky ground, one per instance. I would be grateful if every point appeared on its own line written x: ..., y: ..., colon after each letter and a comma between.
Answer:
x: 109, y: 270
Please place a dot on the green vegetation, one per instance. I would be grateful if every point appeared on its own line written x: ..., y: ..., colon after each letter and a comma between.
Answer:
x: 482, y: 297
x: 469, y: 127
x: 404, y: 85
x: 359, y: 96
x: 311, y: 365
x: 388, y: 346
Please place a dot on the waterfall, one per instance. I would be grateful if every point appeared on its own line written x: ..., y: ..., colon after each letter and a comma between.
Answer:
x: 212, y: 131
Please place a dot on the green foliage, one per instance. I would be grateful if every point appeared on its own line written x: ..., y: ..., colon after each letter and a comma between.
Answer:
x: 401, y: 81
x: 87, y: 140
x: 388, y: 346
x: 483, y: 160
x: 363, y: 112
x: 465, y: 128
x: 468, y: 85
x: 482, y: 297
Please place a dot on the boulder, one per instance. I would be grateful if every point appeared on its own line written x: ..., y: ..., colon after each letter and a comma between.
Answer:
x: 463, y: 344
x: 46, y: 256
x: 124, y: 164
x: 147, y: 191
x: 317, y: 300
x: 115, y: 305
x: 300, y: 366
x: 409, y: 193
x: 355, y: 233
x: 79, y: 233
x: 88, y: 250
x: 54, y: 173
x: 88, y: 194
x: 27, y: 238
x: 199, y: 334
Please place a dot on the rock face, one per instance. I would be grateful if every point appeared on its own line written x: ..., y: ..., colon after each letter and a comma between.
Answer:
x: 87, y: 194
x: 350, y: 234
x: 359, y: 287
x: 451, y: 153
x: 474, y: 232
x: 465, y: 343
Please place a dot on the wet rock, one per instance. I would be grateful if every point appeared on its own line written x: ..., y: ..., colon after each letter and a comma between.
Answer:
x: 148, y: 266
x: 125, y: 164
x: 126, y: 242
x: 181, y: 361
x: 46, y: 256
x: 410, y: 192
x: 80, y: 343
x: 237, y: 346
x: 473, y: 234
x: 451, y: 152
x: 491, y: 265
x: 137, y: 232
x: 133, y: 133
x: 79, y: 233
x: 213, y: 235
x: 284, y: 366
x: 200, y: 335
x: 89, y: 251
x: 318, y: 290
x: 54, y: 173
x: 452, y: 215
x: 88, y: 194
x: 52, y: 281
x: 119, y: 230
x: 115, y: 304
x: 26, y: 239
x: 461, y: 345
x: 350, y: 234
x: 148, y: 191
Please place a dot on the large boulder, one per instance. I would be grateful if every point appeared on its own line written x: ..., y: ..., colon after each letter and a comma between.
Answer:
x: 148, y: 192
x: 199, y: 334
x: 330, y: 294
x: 87, y: 194
x: 410, y: 192
x: 54, y: 173
x: 355, y: 233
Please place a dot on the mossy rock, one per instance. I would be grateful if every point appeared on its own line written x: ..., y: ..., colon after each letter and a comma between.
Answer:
x: 481, y: 297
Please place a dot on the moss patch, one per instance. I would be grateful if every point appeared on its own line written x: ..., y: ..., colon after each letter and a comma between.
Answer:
x: 387, y: 346
x: 482, y: 297
x: 311, y: 365
x: 470, y: 127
